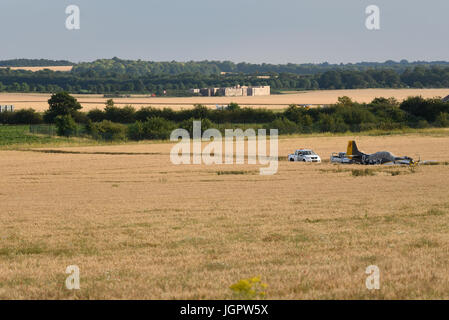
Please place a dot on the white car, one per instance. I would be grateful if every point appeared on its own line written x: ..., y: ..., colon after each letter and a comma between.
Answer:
x: 304, y: 155
x: 340, y: 157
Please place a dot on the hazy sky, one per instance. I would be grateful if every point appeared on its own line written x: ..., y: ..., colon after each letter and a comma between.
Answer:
x: 272, y: 31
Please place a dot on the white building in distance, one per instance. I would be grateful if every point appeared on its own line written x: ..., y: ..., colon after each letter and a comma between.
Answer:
x: 237, y: 91
x: 6, y: 108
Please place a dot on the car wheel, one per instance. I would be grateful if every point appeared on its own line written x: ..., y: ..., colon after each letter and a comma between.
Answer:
x: 291, y: 159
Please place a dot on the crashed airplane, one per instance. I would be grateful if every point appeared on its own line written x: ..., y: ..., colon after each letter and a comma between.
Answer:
x: 353, y: 155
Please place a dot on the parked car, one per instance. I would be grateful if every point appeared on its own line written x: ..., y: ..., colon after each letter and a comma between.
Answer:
x: 304, y: 155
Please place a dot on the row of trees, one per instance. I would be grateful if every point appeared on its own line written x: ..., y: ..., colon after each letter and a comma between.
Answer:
x: 138, y: 68
x: 20, y: 81
x: 151, y: 123
x: 50, y: 81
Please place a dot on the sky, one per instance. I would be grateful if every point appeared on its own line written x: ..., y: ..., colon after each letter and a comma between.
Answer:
x: 254, y: 31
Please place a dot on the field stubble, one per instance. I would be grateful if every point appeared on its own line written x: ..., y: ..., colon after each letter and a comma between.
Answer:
x: 140, y: 227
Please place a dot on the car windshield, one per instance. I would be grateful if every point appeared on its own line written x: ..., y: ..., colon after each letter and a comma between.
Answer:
x: 308, y: 153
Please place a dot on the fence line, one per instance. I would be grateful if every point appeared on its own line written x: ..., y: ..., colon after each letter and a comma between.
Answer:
x: 51, y: 130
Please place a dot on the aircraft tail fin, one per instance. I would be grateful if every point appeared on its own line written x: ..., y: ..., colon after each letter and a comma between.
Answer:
x: 352, y: 149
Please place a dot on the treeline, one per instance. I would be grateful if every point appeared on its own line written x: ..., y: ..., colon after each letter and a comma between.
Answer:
x: 152, y: 123
x: 346, y: 115
x: 147, y: 124
x: 138, y: 68
x: 50, y: 81
x: 34, y: 63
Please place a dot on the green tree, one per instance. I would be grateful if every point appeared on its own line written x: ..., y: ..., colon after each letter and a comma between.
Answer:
x: 345, y: 101
x: 200, y: 111
x: 283, y: 125
x: 61, y: 104
x: 107, y: 130
x: 442, y: 120
x: 109, y: 103
x: 65, y: 125
x: 233, y: 106
x: 25, y: 87
x: 96, y: 115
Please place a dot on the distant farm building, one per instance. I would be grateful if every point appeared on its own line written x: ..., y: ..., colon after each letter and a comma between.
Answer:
x: 237, y: 91
x: 446, y: 99
x: 6, y: 108
x: 208, y: 92
x: 194, y: 91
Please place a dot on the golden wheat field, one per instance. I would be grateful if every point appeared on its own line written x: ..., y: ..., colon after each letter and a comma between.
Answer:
x: 140, y: 227
x: 34, y: 69
x: 39, y: 101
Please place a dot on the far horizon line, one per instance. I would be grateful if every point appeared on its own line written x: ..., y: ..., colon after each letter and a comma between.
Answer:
x: 235, y: 62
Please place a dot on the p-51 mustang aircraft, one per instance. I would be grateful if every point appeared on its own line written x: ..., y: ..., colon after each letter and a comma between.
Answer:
x: 353, y: 155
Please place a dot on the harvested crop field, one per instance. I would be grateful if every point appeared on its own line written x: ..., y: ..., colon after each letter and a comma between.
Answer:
x: 39, y: 101
x: 34, y: 69
x: 140, y: 227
